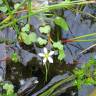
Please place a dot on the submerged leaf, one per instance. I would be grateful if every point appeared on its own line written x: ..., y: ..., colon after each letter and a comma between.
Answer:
x: 32, y: 37
x: 9, y: 89
x: 16, y: 5
x: 3, y: 8
x: 61, y: 55
x: 58, y: 45
x: 42, y: 41
x: 25, y: 38
x: 28, y: 39
x: 45, y: 29
x: 26, y: 28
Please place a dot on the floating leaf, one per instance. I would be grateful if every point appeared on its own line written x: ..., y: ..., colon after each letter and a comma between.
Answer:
x: 45, y: 29
x: 3, y: 8
x: 26, y: 28
x: 33, y: 37
x: 61, y: 55
x: 28, y: 39
x: 9, y: 89
x: 16, y: 5
x: 42, y: 41
x: 62, y: 23
x: 58, y: 45
x: 25, y: 38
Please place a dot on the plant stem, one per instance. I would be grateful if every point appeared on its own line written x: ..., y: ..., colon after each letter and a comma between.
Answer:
x: 84, y: 36
x: 87, y: 48
x: 46, y: 73
x: 90, y: 40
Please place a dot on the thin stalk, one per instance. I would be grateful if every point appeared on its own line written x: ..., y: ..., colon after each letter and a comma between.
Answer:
x: 51, y: 89
x: 90, y: 40
x: 84, y: 36
x: 29, y: 10
x: 46, y: 73
x: 11, y: 12
x: 87, y: 48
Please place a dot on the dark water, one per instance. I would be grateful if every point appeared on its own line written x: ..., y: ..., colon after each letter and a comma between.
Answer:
x: 79, y: 24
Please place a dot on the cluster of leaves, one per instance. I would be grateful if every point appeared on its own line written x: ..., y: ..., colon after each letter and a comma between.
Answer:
x: 29, y: 37
x: 59, y: 46
x: 86, y: 75
x: 8, y: 89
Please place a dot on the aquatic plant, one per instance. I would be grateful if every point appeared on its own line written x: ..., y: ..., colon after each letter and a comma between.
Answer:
x: 43, y: 37
x: 9, y: 89
x: 86, y: 75
x: 46, y: 56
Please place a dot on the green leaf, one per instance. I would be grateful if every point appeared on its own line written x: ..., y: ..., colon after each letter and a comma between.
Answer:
x: 42, y: 41
x: 61, y: 55
x: 25, y: 38
x: 62, y: 23
x: 9, y: 88
x: 32, y: 37
x: 45, y: 29
x: 15, y: 57
x: 79, y: 72
x: 28, y: 39
x: 26, y: 28
x: 58, y: 45
x: 3, y: 9
x: 16, y: 5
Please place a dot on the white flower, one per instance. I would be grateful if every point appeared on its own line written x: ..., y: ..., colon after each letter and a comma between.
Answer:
x: 46, y: 56
x: 36, y: 81
x: 22, y: 82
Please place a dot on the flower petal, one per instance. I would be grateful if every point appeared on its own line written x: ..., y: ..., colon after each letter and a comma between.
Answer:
x: 50, y: 59
x: 45, y: 50
x: 41, y: 54
x: 44, y: 60
x: 51, y: 53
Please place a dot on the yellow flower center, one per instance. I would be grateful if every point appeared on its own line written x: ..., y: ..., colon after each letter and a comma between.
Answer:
x: 46, y: 55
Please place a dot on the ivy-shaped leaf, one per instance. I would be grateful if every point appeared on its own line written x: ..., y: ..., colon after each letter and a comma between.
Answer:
x: 45, y: 29
x: 58, y: 45
x: 9, y: 88
x: 62, y: 23
x: 28, y: 39
x: 42, y: 41
x: 25, y: 38
x: 26, y: 28
x: 3, y: 8
x: 61, y: 55
x: 33, y: 37
x: 16, y: 5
